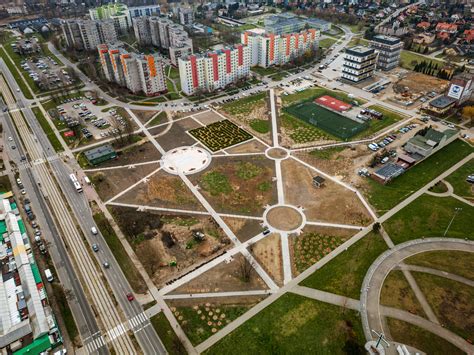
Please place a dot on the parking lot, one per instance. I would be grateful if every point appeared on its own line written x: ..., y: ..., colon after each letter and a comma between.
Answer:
x: 46, y: 72
x: 92, y: 121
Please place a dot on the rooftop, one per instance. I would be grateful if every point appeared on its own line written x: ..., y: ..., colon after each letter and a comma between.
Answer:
x: 387, y: 39
x: 95, y: 153
x: 360, y: 50
x: 442, y: 102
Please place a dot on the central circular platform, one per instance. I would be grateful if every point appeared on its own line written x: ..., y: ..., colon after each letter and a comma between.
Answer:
x: 276, y: 153
x: 284, y: 218
x: 188, y: 160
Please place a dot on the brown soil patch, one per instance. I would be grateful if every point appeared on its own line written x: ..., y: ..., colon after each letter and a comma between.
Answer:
x: 139, y: 153
x: 208, y: 117
x: 267, y: 252
x: 277, y: 153
x: 236, y: 300
x: 165, y: 243
x: 162, y: 190
x: 223, y: 278
x: 252, y: 146
x: 331, y: 203
x: 284, y: 218
x: 396, y: 292
x: 248, y: 184
x: 144, y: 115
x: 244, y: 229
x: 174, y: 138
x: 109, y: 183
x: 418, y: 83
x: 188, y: 123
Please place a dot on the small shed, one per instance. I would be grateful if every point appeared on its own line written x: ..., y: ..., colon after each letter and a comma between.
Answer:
x: 318, y: 181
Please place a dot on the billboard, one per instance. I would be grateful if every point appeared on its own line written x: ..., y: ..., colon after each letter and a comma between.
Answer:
x: 455, y: 91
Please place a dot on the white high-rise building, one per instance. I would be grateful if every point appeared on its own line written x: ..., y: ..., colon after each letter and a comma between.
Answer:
x: 118, y: 12
x: 138, y: 72
x: 88, y: 34
x: 214, y: 70
x: 270, y: 49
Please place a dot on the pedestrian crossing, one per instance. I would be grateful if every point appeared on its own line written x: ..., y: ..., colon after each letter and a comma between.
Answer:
x: 98, y: 340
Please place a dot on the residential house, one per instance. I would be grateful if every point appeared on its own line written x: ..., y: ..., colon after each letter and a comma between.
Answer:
x: 450, y: 28
x: 424, y: 38
x: 426, y: 142
x: 423, y: 25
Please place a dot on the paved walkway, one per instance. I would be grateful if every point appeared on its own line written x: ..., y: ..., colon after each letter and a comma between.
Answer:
x: 440, y: 273
x: 327, y: 297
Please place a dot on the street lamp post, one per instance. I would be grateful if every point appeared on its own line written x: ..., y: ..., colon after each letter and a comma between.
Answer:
x: 456, y: 211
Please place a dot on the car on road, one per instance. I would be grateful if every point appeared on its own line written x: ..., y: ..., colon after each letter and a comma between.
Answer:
x: 106, y: 265
x: 95, y: 247
x: 23, y: 192
x: 94, y: 230
x: 37, y: 232
x: 130, y: 297
x: 13, y: 147
x: 10, y: 139
x: 42, y: 249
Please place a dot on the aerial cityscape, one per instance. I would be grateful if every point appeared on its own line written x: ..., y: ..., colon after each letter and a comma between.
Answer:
x: 237, y: 177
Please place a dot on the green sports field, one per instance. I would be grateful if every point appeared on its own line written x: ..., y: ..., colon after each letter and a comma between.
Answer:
x: 327, y: 120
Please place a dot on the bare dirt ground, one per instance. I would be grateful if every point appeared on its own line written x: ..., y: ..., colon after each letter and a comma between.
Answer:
x: 225, y: 277
x: 208, y: 117
x: 109, y: 183
x: 252, y: 146
x: 144, y: 116
x: 277, y: 153
x: 284, y: 218
x: 190, y: 302
x: 343, y: 164
x: 267, y: 252
x: 165, y: 243
x: 244, y: 229
x: 162, y: 190
x: 188, y: 123
x: 419, y: 83
x: 241, y: 185
x: 331, y: 203
x: 174, y: 138
x: 137, y: 154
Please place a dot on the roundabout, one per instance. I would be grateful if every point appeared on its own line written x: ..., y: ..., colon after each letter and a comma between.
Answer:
x: 186, y: 160
x: 276, y: 153
x: 284, y: 218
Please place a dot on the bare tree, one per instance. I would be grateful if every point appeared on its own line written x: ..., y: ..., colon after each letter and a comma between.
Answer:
x: 118, y: 132
x: 245, y: 270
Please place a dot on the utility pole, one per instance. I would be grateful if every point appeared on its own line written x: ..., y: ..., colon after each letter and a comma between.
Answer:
x: 456, y: 211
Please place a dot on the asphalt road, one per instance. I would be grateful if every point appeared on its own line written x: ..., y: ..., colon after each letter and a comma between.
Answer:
x: 144, y: 332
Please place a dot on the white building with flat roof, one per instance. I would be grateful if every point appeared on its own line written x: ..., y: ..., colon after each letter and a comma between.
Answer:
x: 359, y: 63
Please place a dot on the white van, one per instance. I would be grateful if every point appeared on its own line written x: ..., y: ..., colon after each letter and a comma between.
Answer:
x: 49, y: 275
x: 87, y: 180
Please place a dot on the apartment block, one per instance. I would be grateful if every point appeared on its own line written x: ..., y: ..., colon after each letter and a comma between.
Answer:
x: 389, y: 50
x: 88, y: 34
x: 146, y: 10
x: 287, y: 22
x: 27, y: 324
x: 270, y: 49
x: 359, y: 63
x: 139, y: 73
x: 163, y: 33
x: 214, y: 70
x: 186, y: 16
x: 117, y: 12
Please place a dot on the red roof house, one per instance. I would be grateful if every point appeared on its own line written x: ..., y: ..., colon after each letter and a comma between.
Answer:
x: 424, y: 25
x: 446, y: 27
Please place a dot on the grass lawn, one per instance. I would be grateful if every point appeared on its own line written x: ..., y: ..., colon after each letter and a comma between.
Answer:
x: 216, y: 183
x: 16, y: 74
x: 265, y: 71
x: 326, y: 42
x: 5, y: 184
x: 173, y: 72
x: 173, y: 96
x: 355, y: 41
x: 344, y: 275
x: 451, y: 302
x: 384, y: 197
x: 65, y: 311
x: 316, y: 92
x: 408, y: 60
x: 419, y: 338
x: 128, y: 268
x: 328, y: 153
x: 458, y: 180
x: 245, y: 105
x: 167, y: 335
x: 198, y: 329
x: 296, y: 325
x: 160, y: 118
x: 260, y: 126
x: 428, y: 216
x: 169, y: 86
x: 278, y: 76
x: 47, y: 129
x: 456, y: 262
x: 389, y: 117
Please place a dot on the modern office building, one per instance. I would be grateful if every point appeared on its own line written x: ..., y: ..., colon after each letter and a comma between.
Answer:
x: 88, y: 34
x: 163, y: 33
x: 287, y: 22
x: 359, y: 63
x: 214, y: 70
x: 27, y: 324
x: 389, y: 50
x: 117, y: 12
x: 270, y: 49
x: 138, y: 72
